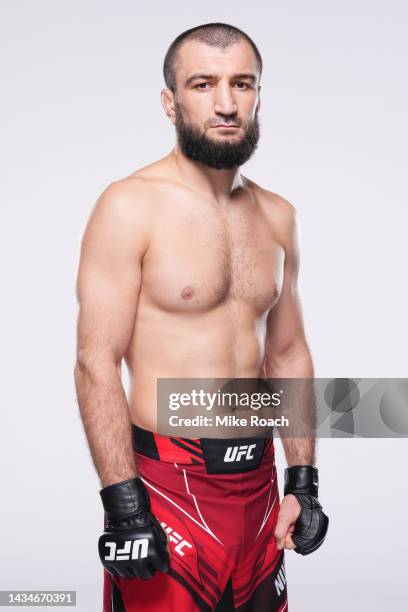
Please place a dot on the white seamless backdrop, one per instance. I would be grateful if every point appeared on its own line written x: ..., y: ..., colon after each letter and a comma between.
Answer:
x: 80, y: 107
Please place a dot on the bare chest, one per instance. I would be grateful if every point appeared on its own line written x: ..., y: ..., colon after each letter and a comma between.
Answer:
x: 202, y: 258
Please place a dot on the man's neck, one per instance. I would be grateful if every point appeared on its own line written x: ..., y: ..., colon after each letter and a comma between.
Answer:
x: 218, y: 184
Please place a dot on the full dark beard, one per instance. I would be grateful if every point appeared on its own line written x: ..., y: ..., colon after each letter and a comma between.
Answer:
x: 218, y: 155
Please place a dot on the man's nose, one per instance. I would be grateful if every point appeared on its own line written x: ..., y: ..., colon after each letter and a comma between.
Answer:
x: 224, y: 100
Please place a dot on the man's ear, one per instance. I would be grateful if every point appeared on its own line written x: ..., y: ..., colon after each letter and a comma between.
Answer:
x: 168, y: 103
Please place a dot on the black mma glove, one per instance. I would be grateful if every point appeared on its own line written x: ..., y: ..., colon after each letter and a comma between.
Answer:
x: 133, y: 543
x: 311, y: 526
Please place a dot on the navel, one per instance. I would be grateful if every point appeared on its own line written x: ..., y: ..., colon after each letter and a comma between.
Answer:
x: 188, y: 293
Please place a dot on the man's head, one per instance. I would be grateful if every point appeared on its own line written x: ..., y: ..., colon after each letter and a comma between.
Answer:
x: 212, y: 73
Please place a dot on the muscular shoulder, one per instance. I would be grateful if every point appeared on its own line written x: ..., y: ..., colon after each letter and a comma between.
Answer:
x: 119, y: 222
x: 280, y: 213
x: 143, y: 190
x: 128, y: 197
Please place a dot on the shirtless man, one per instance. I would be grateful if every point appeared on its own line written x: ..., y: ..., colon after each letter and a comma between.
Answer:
x: 189, y: 269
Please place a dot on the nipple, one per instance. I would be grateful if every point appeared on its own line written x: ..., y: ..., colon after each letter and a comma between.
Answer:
x: 188, y: 293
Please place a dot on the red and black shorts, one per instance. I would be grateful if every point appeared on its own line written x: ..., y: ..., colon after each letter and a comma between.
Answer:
x: 218, y: 502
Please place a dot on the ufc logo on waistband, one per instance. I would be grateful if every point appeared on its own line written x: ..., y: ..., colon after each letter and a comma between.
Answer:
x: 236, y: 453
x: 133, y: 549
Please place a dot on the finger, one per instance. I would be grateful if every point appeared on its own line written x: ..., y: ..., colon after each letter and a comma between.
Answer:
x: 282, y: 528
x: 289, y: 545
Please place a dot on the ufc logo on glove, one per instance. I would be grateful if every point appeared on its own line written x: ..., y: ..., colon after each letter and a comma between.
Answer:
x: 138, y: 548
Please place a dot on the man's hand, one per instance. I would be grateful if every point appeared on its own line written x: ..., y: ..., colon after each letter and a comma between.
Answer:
x: 301, y: 524
x: 134, y: 543
x: 285, y: 526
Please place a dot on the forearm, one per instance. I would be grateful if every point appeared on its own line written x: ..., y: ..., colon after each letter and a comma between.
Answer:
x: 298, y: 439
x: 105, y: 415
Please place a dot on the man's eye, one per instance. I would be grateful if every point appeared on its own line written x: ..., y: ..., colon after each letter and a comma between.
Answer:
x: 202, y: 85
x: 241, y: 85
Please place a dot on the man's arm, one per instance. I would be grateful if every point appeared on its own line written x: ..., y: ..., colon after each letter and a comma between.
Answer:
x: 108, y: 287
x: 287, y: 354
x: 109, y: 282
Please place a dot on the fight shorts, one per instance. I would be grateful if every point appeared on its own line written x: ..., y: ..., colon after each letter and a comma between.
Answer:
x: 218, y: 502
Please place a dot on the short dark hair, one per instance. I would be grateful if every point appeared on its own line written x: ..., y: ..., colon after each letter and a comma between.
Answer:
x: 214, y: 34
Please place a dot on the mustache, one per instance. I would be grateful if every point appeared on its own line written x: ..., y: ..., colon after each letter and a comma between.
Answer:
x: 224, y: 120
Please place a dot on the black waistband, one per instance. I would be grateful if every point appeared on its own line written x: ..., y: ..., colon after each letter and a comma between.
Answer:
x: 226, y: 455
